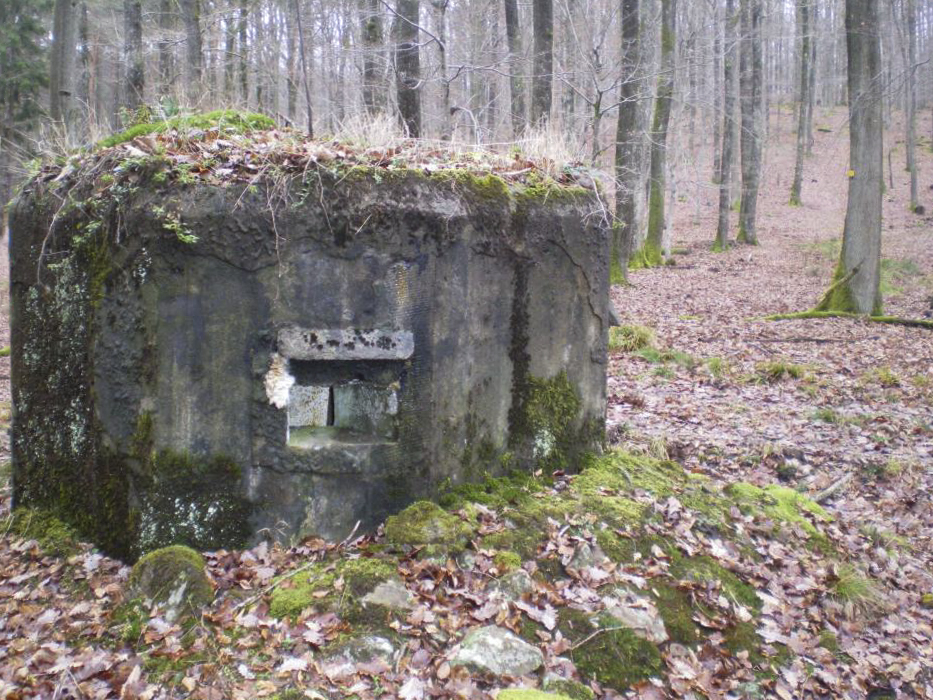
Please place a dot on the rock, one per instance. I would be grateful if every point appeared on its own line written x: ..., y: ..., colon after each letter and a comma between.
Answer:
x: 497, y: 651
x: 425, y: 522
x: 360, y: 650
x: 572, y: 689
x: 586, y: 555
x: 529, y: 694
x: 512, y: 586
x: 638, y: 614
x: 390, y: 594
x: 175, y: 579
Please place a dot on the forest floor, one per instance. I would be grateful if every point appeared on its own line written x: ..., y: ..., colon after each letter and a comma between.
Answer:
x: 832, y: 404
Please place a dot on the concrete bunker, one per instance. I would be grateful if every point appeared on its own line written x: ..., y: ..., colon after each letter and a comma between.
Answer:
x: 205, y: 352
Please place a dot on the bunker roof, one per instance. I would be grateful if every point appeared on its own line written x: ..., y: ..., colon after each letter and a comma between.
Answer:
x: 227, y: 146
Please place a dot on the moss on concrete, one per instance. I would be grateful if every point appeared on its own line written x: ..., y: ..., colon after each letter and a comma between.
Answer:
x: 54, y: 536
x: 241, y: 122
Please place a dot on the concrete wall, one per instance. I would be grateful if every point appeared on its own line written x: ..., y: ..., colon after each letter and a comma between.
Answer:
x: 305, y: 365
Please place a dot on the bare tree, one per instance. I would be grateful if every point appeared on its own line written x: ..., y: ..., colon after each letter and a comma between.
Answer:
x: 373, y: 90
x: 627, y: 139
x: 856, y: 283
x: 541, y: 87
x: 728, y: 127
x: 62, y: 76
x: 191, y: 19
x: 516, y: 84
x: 653, y: 250
x: 751, y: 93
x: 911, y: 101
x: 408, y: 65
x: 133, y: 53
x: 803, y: 29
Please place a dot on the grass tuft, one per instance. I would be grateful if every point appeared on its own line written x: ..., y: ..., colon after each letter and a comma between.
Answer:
x: 630, y: 338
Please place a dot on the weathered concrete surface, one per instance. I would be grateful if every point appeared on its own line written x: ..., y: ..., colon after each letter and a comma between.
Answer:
x: 295, y: 374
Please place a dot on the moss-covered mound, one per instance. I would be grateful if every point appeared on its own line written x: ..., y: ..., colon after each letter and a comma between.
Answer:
x: 174, y: 578
x: 426, y: 523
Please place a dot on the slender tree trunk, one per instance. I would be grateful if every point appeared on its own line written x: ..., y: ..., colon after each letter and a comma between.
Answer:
x: 373, y: 91
x: 627, y: 141
x: 191, y: 18
x: 856, y: 283
x: 243, y: 50
x: 447, y: 127
x: 728, y: 128
x: 305, y: 72
x: 803, y: 28
x: 653, y: 253
x: 811, y: 75
x: 62, y: 67
x: 541, y: 87
x: 133, y: 53
x: 911, y: 87
x: 408, y: 65
x: 718, y: 95
x: 751, y: 84
x: 516, y: 84
x: 166, y: 57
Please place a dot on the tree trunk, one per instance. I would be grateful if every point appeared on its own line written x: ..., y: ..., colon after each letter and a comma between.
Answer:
x: 373, y: 91
x: 191, y: 18
x: 543, y: 61
x: 627, y: 143
x: 516, y: 84
x: 64, y: 57
x: 243, y: 50
x: 803, y: 27
x: 166, y: 58
x: 717, y: 96
x: 751, y: 85
x: 856, y: 283
x: 653, y: 253
x: 408, y: 65
x: 728, y: 129
x: 911, y: 87
x: 133, y: 53
x: 305, y: 72
x: 811, y: 75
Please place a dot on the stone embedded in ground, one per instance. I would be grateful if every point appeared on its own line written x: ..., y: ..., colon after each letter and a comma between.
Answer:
x: 359, y: 650
x: 497, y: 651
x: 390, y: 594
x: 636, y: 613
x: 512, y: 586
x: 586, y: 555
x: 192, y: 343
x: 174, y: 579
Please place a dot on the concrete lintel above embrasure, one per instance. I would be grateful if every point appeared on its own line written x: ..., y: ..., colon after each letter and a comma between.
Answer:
x: 345, y: 344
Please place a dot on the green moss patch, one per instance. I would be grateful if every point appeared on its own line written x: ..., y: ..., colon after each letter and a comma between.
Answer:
x: 528, y: 694
x: 54, y: 536
x: 614, y: 657
x: 318, y: 587
x: 780, y: 504
x: 240, y: 122
x: 425, y: 523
